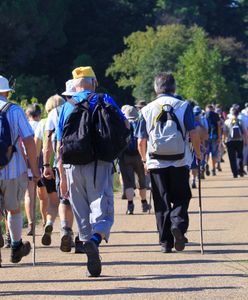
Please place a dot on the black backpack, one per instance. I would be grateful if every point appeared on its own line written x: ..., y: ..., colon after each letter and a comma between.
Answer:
x: 132, y: 148
x: 6, y: 147
x: 90, y: 136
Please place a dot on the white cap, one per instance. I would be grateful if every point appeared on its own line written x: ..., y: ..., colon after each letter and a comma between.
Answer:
x: 4, y: 85
x: 69, y: 88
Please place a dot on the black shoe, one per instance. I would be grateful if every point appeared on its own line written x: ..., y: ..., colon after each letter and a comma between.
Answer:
x: 145, y: 207
x: 94, y: 265
x: 219, y: 167
x: 241, y: 173
x: 79, y: 246
x: 165, y: 249
x: 30, y: 230
x: 179, y: 239
x: 213, y: 172
x: 7, y: 240
x: 186, y: 241
x: 193, y: 185
x: 1, y: 238
x: 66, y: 239
x: 235, y: 176
x: 222, y: 160
x: 46, y: 238
x: 207, y: 170
x: 130, y: 209
x: 22, y: 250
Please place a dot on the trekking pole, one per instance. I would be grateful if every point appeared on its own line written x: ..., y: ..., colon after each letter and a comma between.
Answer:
x: 34, y: 225
x: 200, y: 206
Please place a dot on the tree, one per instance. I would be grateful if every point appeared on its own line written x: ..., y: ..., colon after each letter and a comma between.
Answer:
x: 199, y: 72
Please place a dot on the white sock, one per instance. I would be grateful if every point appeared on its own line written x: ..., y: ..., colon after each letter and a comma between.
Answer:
x: 15, y: 226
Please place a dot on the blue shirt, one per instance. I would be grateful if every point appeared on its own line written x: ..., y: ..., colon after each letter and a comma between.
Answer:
x: 19, y: 126
x: 189, y: 123
x: 68, y: 108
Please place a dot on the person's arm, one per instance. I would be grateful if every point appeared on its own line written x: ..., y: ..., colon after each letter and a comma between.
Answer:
x: 47, y: 154
x: 63, y: 181
x: 32, y: 157
x: 196, y: 142
x: 38, y: 145
x: 219, y: 132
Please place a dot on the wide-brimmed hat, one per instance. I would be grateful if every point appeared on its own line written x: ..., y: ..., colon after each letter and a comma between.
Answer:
x: 69, y: 88
x: 82, y: 72
x: 4, y: 85
x: 130, y: 112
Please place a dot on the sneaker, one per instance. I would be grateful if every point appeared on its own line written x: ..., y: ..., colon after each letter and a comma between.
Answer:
x: 22, y: 250
x: 46, y: 238
x: 130, y: 209
x: 7, y: 240
x: 1, y: 238
x: 145, y: 206
x: 165, y: 249
x: 207, y: 170
x: 179, y: 239
x: 79, y: 246
x: 30, y: 230
x: 193, y: 185
x: 66, y: 239
x: 94, y: 265
x: 213, y: 172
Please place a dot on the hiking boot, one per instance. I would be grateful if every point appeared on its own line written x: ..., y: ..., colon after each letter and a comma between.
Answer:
x: 1, y: 238
x: 22, y: 250
x: 219, y: 167
x: 241, y: 173
x: 193, y: 185
x: 79, y: 246
x: 130, y: 209
x: 165, y: 249
x: 145, y: 206
x: 46, y: 238
x: 66, y: 239
x: 7, y: 240
x: 213, y: 172
x: 30, y: 230
x: 207, y: 170
x: 94, y: 265
x: 179, y: 239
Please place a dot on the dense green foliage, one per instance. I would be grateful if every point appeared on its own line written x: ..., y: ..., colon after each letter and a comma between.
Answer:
x: 42, y: 41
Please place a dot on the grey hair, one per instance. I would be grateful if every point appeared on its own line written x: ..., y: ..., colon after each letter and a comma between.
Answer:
x: 164, y: 83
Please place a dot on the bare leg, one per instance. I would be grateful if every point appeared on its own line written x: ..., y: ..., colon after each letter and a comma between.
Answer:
x: 42, y: 194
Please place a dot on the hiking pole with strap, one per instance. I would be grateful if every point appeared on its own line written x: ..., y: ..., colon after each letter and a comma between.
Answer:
x: 200, y: 206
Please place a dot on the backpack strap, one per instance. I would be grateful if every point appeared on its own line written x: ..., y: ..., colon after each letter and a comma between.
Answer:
x: 73, y: 102
x: 6, y: 107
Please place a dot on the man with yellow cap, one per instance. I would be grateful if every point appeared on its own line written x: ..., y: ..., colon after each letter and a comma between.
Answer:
x: 92, y: 200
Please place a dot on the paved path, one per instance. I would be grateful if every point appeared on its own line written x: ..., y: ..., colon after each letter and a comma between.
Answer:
x: 134, y: 267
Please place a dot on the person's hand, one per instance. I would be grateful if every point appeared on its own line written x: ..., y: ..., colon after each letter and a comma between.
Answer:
x: 145, y: 168
x: 63, y: 188
x: 199, y: 156
x: 36, y: 178
x: 48, y: 172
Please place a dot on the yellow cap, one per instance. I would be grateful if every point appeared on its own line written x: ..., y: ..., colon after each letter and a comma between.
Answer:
x: 83, y: 72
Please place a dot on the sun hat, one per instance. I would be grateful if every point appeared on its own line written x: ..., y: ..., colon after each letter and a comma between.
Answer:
x: 83, y: 72
x: 69, y: 88
x: 130, y: 112
x: 4, y: 85
x: 197, y: 110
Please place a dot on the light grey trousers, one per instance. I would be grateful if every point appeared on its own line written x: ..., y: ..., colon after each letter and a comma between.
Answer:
x: 92, y: 204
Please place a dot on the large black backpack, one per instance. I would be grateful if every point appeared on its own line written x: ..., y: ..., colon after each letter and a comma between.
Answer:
x: 6, y: 147
x: 111, y: 136
x: 76, y: 148
x: 90, y: 136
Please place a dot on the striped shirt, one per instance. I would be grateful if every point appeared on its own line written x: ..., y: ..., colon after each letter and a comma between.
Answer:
x: 19, y: 126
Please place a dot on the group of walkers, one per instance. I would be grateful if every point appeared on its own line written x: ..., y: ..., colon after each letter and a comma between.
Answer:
x: 69, y: 159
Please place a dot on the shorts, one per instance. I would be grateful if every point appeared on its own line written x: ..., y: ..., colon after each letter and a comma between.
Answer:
x: 50, y: 184
x: 213, y: 148
x: 12, y: 192
x: 129, y: 166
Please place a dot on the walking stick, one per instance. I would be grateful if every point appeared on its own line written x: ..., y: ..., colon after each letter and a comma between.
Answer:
x: 200, y: 205
x: 34, y: 225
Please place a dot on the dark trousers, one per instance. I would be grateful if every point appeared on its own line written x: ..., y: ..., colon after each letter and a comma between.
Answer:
x: 235, y: 150
x: 171, y: 196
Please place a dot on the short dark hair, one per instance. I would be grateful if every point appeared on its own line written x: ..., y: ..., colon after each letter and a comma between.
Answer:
x: 33, y: 110
x: 164, y: 83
